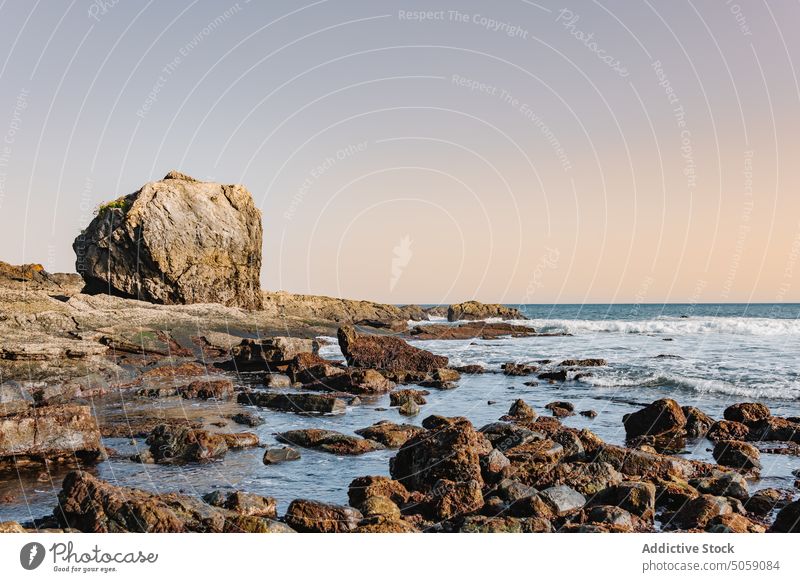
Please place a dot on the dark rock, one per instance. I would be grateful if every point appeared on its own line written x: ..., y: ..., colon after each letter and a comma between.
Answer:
x: 465, y: 331
x: 514, y: 369
x: 275, y: 455
x: 585, y: 363
x: 362, y: 488
x: 556, y: 376
x: 637, y: 497
x: 725, y: 430
x: 774, y: 429
x: 521, y: 410
x: 176, y: 241
x: 561, y: 409
x: 305, y: 515
x: 747, y: 412
x: 181, y: 444
x: 763, y: 502
x: 696, y: 514
x: 588, y: 413
x: 385, y: 353
x: 470, y: 369
x: 303, y: 403
x: 724, y: 484
x: 484, y: 524
x: 400, y: 397
x: 733, y: 523
x: 660, y: 417
x: 328, y: 441
x: 737, y: 455
x: 611, y: 515
x: 673, y: 493
x: 268, y: 354
x: 788, y: 519
x: 698, y: 422
x: 247, y: 418
x: 409, y: 408
x: 505, y: 436
x: 362, y: 382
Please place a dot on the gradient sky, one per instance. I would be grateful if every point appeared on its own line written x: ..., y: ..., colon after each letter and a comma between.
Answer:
x: 510, y: 151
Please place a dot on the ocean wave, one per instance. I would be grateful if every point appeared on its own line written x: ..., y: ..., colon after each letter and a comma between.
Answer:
x: 672, y: 326
x: 778, y: 389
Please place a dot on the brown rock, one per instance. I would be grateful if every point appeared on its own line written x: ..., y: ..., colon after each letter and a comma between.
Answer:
x: 464, y: 331
x: 385, y: 352
x: 788, y: 519
x: 328, y: 441
x: 244, y: 503
x: 561, y: 409
x: 521, y: 410
x: 390, y: 434
x: 362, y: 382
x: 305, y: 515
x: 737, y: 455
x: 660, y: 417
x: 698, y: 512
x: 449, y: 498
x: 733, y: 523
x: 585, y: 363
x: 473, y: 310
x: 400, y: 397
x: 698, y: 422
x: 302, y: 403
x: 362, y: 488
x: 747, y: 412
x: 181, y: 444
x: 515, y: 369
x: 724, y: 430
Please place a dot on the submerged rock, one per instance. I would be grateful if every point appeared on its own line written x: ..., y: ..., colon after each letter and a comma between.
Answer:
x: 277, y: 455
x: 181, y: 444
x: 176, y: 241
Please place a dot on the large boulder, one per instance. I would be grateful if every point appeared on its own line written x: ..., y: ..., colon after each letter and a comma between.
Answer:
x: 50, y: 432
x: 471, y: 310
x: 449, y: 449
x: 385, y: 352
x: 306, y: 515
x: 661, y: 417
x: 176, y: 241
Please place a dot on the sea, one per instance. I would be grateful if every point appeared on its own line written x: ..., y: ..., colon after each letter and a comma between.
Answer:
x: 704, y: 355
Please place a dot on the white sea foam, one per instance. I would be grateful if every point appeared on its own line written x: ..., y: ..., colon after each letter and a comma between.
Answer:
x: 672, y: 326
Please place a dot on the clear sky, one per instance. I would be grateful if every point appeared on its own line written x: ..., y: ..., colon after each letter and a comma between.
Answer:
x: 515, y: 151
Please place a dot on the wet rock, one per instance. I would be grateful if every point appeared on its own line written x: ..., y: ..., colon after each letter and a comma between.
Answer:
x: 493, y: 465
x: 660, y: 417
x: 247, y: 418
x: 253, y: 524
x: 724, y: 484
x: 268, y: 354
x: 561, y: 409
x: 307, y: 368
x: 450, y: 449
x: 698, y: 422
x: 725, y: 430
x: 515, y: 369
x: 90, y: 505
x: 563, y: 499
x: 361, y: 382
x: 470, y: 369
x: 588, y: 413
x: 643, y: 464
x: 521, y: 410
x: 302, y: 403
x: 240, y: 440
x: 637, y: 497
x: 774, y: 429
x: 207, y: 388
x: 747, y: 412
x: 489, y: 524
x: 571, y: 442
x: 556, y: 376
x: 305, y: 515
x: 400, y: 397
x: 385, y: 353
x: 788, y: 519
x: 275, y: 455
x: 451, y: 498
x: 442, y: 378
x: 380, y: 524
x: 585, y: 363
x: 465, y: 331
x: 409, y: 408
x: 389, y: 434
x: 763, y: 502
x: 587, y: 479
x: 380, y: 506
x: 176, y: 241
x: 181, y: 444
x: 50, y: 432
x: 473, y: 310
x: 244, y: 503
x: 328, y: 441
x: 696, y: 513
x: 737, y: 455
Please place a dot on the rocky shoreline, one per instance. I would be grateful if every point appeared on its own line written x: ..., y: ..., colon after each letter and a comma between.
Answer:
x: 67, y: 351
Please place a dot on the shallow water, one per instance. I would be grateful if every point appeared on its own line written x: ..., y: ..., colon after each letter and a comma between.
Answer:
x: 726, y: 354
